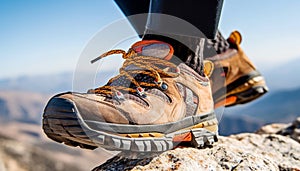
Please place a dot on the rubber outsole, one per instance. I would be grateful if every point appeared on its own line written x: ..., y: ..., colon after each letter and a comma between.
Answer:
x: 63, y: 123
x: 249, y: 95
x: 247, y: 91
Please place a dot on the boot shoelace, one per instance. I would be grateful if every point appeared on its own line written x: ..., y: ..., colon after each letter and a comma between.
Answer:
x: 147, y: 65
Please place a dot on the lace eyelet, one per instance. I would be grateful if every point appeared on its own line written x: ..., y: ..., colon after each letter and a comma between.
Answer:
x: 119, y: 96
x: 177, y: 70
x: 164, y: 86
x: 141, y: 92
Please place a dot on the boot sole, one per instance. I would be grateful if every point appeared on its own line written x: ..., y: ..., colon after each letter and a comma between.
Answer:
x: 63, y: 123
x: 247, y: 89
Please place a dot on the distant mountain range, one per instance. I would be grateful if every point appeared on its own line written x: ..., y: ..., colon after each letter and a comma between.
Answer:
x: 21, y: 106
x: 40, y: 83
x: 56, y: 83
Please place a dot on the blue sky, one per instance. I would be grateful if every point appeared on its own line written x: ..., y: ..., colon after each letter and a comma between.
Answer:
x: 41, y: 37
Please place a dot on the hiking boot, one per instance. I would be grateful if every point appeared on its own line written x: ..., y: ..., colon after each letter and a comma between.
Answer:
x: 243, y: 83
x: 153, y: 105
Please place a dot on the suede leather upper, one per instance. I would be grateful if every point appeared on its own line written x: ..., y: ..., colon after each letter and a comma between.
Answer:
x: 195, y: 90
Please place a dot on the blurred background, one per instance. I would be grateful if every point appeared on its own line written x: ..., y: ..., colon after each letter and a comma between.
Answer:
x: 41, y: 43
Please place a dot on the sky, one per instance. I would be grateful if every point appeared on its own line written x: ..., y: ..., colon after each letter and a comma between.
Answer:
x: 44, y: 37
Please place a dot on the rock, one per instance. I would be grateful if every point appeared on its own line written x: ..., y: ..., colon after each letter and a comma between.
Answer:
x: 272, y: 128
x: 291, y: 130
x: 269, y: 149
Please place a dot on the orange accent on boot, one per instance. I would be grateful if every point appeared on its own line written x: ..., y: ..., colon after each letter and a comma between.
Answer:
x: 142, y: 135
x: 220, y: 103
x: 208, y: 67
x: 186, y: 137
x: 235, y: 37
x: 228, y: 101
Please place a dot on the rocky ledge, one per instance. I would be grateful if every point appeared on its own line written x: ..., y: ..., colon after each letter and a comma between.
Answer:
x: 273, y: 147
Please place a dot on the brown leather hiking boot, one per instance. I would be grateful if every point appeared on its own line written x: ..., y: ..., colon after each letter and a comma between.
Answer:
x: 243, y: 83
x: 153, y: 105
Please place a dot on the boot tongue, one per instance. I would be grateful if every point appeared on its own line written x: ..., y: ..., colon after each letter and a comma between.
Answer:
x: 153, y: 48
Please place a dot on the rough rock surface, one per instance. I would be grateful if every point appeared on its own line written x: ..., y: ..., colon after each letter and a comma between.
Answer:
x: 268, y: 149
x: 290, y: 130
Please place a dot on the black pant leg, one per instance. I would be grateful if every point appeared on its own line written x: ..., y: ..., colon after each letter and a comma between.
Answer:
x: 204, y: 14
